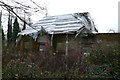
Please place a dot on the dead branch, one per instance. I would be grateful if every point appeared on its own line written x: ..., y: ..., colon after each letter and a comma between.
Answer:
x: 9, y: 8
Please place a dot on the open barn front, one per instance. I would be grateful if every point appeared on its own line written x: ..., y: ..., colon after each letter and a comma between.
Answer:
x: 69, y: 47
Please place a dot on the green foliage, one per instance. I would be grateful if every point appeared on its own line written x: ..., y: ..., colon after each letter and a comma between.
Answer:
x: 16, y: 29
x: 104, y: 60
x: 9, y: 33
x: 105, y: 53
x: 3, y: 36
x: 24, y: 26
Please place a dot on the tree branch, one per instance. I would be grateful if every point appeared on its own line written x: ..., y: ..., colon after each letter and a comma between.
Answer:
x: 9, y: 8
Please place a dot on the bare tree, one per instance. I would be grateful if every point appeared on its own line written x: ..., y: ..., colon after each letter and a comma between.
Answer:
x: 0, y: 19
x: 1, y: 22
x: 23, y: 8
x: 10, y: 8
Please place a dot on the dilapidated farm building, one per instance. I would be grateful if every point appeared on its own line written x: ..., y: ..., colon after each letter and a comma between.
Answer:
x: 62, y: 34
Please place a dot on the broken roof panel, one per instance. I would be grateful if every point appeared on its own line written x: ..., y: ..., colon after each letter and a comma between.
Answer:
x: 62, y: 24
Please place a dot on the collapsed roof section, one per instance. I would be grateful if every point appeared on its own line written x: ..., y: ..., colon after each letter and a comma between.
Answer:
x: 68, y: 23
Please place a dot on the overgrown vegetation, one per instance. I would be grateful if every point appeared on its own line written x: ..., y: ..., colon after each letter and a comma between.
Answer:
x: 101, y: 62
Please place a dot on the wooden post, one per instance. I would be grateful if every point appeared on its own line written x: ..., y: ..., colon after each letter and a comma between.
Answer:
x: 52, y: 40
x: 66, y: 44
x: 66, y: 51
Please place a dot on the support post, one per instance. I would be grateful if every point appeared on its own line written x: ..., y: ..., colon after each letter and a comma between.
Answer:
x: 66, y: 44
x: 66, y: 52
x: 52, y: 40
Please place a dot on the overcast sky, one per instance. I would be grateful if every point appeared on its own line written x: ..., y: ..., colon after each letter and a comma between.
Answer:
x: 103, y: 12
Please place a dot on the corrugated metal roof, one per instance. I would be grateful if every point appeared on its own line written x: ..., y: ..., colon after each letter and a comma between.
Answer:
x: 62, y: 24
